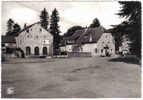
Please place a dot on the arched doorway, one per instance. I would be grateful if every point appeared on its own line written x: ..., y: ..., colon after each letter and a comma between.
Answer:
x: 36, y: 51
x: 45, y: 52
x: 28, y: 50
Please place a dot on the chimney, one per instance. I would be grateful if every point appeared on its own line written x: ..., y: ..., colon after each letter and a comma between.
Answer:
x: 25, y: 25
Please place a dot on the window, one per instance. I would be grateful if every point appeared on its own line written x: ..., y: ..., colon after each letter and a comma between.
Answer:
x: 28, y: 36
x: 40, y: 30
x: 3, y: 45
x: 96, y: 50
x: 44, y: 36
x: 101, y: 50
x: 37, y: 37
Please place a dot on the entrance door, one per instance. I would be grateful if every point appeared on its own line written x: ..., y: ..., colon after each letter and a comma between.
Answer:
x: 36, y: 50
x: 45, y: 52
x: 28, y: 51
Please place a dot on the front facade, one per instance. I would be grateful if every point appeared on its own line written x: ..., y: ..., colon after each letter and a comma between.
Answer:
x: 35, y: 41
x: 94, y: 41
x: 106, y: 44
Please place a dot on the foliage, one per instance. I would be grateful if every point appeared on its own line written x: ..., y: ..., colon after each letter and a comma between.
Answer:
x: 72, y: 30
x: 54, y: 29
x: 10, y: 23
x: 131, y: 11
x: 118, y: 31
x: 16, y: 29
x: 95, y: 23
x: 44, y: 18
x: 12, y: 28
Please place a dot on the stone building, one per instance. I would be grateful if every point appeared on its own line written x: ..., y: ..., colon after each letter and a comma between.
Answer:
x: 35, y: 41
x: 93, y: 40
x: 106, y: 44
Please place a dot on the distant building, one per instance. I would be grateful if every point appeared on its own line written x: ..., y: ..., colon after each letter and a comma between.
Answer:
x: 8, y: 44
x: 35, y: 41
x: 125, y: 46
x: 92, y: 40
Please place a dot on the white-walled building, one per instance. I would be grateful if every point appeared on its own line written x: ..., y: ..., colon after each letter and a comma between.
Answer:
x: 93, y: 40
x: 35, y: 40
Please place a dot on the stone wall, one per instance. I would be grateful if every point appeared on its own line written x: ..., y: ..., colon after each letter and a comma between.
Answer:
x: 79, y: 54
x: 106, y: 40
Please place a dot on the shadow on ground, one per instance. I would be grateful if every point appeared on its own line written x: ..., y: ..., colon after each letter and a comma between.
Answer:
x: 128, y: 59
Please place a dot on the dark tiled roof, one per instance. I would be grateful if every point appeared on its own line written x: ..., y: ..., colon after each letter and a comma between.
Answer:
x: 28, y: 27
x: 8, y: 39
x: 77, y: 34
x: 93, y: 33
x: 84, y: 35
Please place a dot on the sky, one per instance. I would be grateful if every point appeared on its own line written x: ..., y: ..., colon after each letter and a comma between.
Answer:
x: 71, y: 13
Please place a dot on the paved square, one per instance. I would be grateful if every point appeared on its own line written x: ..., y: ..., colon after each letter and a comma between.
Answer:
x: 92, y: 77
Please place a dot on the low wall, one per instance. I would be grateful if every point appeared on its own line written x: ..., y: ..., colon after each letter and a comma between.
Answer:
x: 79, y: 54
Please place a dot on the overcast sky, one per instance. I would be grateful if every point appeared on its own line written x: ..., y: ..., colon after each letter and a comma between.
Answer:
x: 71, y: 13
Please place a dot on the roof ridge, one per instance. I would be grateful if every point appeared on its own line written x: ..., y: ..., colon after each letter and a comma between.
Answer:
x: 29, y: 26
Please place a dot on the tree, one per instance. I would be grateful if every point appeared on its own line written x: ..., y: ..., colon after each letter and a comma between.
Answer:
x: 95, y: 23
x: 44, y: 18
x: 13, y: 28
x: 10, y: 23
x: 72, y: 30
x: 131, y: 11
x: 16, y: 29
x: 54, y: 29
x: 118, y: 31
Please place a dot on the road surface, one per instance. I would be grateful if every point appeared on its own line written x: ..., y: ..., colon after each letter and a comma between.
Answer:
x: 91, y: 77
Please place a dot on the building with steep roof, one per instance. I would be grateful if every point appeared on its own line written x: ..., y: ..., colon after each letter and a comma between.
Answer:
x: 93, y: 40
x: 35, y: 41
